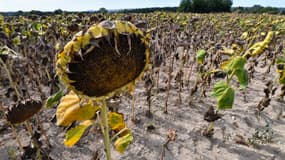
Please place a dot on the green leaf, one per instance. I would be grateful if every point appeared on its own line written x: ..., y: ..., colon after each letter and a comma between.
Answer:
x: 4, y: 51
x: 54, y: 99
x: 122, y: 143
x: 226, y: 101
x: 280, y: 60
x: 242, y: 76
x: 224, y: 95
x: 236, y: 63
x: 219, y: 88
x: 16, y: 40
x: 37, y: 26
x: 200, y: 56
x: 73, y: 135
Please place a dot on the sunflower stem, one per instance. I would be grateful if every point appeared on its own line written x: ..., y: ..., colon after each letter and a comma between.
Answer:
x: 133, y: 107
x: 105, y: 129
x: 188, y: 79
x: 10, y: 79
x: 43, y: 130
x: 157, y: 81
x: 17, y: 137
x: 29, y: 128
x: 170, y: 69
x: 230, y: 77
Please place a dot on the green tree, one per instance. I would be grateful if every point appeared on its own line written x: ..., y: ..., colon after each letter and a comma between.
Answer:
x: 36, y: 12
x: 200, y: 6
x: 103, y: 10
x: 257, y: 8
x: 185, y: 6
x: 58, y: 11
x: 206, y: 6
x: 19, y: 12
x: 227, y: 5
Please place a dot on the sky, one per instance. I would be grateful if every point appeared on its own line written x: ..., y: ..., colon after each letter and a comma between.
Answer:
x: 85, y: 5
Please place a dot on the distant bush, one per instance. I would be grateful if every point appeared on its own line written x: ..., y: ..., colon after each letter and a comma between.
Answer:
x: 205, y: 6
x: 259, y: 9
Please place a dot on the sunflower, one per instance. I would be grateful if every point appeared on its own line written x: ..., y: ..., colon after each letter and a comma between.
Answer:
x: 23, y: 110
x: 109, y: 57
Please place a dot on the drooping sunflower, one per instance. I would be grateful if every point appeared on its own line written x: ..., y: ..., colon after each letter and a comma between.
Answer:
x: 108, y: 57
x: 23, y: 110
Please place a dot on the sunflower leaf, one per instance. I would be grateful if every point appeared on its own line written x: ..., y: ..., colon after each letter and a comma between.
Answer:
x: 73, y: 135
x: 72, y: 108
x: 234, y: 63
x: 200, y: 56
x: 116, y: 121
x: 224, y: 95
x: 54, y: 99
x: 242, y: 76
x: 122, y: 143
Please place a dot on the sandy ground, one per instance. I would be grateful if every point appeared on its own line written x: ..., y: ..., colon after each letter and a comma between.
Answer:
x: 229, y: 141
x: 232, y: 132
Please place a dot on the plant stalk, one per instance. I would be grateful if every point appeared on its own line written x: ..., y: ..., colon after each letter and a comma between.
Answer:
x: 133, y: 107
x: 170, y: 69
x: 157, y: 81
x: 16, y: 136
x: 10, y: 78
x: 105, y: 129
x: 230, y: 77
x: 29, y: 128
x: 42, y: 130
x: 188, y: 79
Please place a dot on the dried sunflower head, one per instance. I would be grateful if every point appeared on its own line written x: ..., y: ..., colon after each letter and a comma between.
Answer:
x: 23, y: 110
x: 106, y: 58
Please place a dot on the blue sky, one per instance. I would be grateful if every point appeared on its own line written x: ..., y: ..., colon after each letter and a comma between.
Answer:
x: 83, y: 5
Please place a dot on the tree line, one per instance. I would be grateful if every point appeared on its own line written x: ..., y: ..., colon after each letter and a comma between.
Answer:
x: 205, y: 6
x: 259, y: 9
x: 196, y: 6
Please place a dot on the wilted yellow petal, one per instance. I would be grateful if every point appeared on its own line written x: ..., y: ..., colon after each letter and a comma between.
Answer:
x: 228, y: 51
x: 244, y: 35
x: 76, y: 45
x: 224, y: 65
x: 67, y: 48
x: 122, y: 27
x: 85, y: 39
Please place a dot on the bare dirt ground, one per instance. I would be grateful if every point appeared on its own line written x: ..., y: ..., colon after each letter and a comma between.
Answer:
x: 240, y: 134
x: 232, y: 131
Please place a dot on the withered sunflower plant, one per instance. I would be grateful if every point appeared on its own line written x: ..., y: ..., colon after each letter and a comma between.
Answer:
x: 97, y: 63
